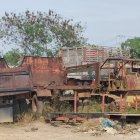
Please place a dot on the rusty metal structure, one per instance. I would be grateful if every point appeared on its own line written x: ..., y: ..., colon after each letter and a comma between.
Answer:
x: 123, y: 83
x: 115, y: 93
x: 15, y: 81
x: 113, y: 87
x: 45, y: 70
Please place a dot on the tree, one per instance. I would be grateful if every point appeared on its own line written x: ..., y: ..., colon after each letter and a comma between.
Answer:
x: 12, y: 57
x: 36, y: 33
x: 134, y: 45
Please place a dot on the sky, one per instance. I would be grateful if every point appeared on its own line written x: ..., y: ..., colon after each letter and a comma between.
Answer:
x: 107, y: 22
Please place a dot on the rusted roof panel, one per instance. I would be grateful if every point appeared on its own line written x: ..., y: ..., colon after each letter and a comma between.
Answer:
x: 24, y: 69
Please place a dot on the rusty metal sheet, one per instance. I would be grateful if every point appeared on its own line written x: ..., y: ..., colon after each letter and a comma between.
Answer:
x: 17, y: 93
x: 130, y: 82
x: 67, y: 87
x: 16, y: 70
x: 84, y: 94
x: 133, y: 82
x: 45, y: 70
x: 23, y: 95
x: 43, y: 92
x: 82, y: 68
x: 94, y: 67
x: 13, y: 80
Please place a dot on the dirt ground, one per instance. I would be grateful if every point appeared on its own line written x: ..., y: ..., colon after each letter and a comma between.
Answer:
x: 46, y: 131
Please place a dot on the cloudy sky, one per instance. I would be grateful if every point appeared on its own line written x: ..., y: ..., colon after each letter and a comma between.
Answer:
x: 107, y: 22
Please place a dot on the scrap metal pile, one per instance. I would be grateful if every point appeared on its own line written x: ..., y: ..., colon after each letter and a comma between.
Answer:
x: 108, y: 88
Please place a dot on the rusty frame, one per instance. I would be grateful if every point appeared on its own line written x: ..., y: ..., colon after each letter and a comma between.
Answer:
x: 123, y: 62
x: 127, y: 89
x: 118, y: 59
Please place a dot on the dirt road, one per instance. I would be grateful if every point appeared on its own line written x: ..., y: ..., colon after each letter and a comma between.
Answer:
x: 43, y: 131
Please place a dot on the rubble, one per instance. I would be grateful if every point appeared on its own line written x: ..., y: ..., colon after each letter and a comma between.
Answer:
x: 138, y: 129
x: 110, y: 130
x: 97, y: 127
x: 102, y: 126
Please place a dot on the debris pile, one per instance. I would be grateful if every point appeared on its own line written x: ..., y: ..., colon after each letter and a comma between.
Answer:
x: 97, y: 127
x: 130, y: 129
x: 102, y: 126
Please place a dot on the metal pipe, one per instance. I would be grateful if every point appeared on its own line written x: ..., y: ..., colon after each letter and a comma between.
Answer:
x: 103, y: 103
x: 109, y: 75
x: 122, y: 75
x: 136, y: 103
x: 121, y: 103
x: 75, y: 102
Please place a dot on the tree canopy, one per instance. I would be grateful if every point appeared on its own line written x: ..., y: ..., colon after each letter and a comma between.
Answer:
x: 134, y: 45
x: 12, y: 57
x: 40, y: 33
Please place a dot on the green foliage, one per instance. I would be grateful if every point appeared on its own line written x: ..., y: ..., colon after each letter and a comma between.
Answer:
x: 132, y: 110
x: 12, y: 57
x: 39, y: 32
x: 134, y: 45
